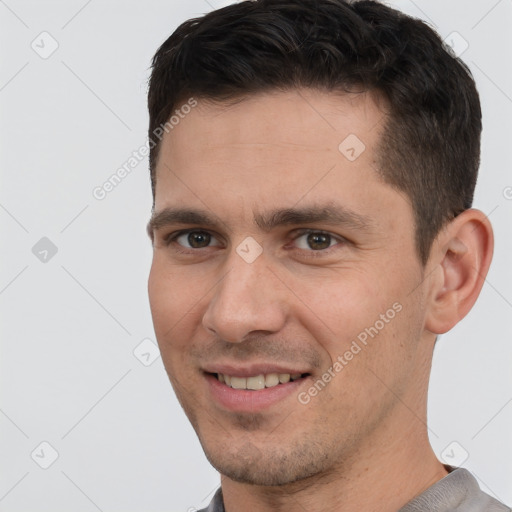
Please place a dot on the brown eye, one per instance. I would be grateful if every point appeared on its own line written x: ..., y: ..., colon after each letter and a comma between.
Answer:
x: 195, y: 239
x: 198, y: 239
x: 319, y: 241
x: 315, y: 241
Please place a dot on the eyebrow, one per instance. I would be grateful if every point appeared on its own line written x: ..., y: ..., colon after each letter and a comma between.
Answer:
x: 330, y: 214
x: 185, y: 216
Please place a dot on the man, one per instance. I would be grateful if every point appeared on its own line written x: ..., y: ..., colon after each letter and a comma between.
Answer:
x: 313, y: 167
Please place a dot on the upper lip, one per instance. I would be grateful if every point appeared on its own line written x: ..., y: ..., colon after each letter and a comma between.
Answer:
x: 252, y: 370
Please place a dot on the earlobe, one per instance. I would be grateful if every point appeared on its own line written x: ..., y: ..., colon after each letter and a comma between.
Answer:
x: 461, y: 255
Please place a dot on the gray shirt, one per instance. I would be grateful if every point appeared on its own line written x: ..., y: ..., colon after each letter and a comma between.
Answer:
x: 456, y: 492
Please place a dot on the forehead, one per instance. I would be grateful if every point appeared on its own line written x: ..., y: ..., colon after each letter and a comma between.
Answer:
x: 275, y: 149
x: 274, y: 124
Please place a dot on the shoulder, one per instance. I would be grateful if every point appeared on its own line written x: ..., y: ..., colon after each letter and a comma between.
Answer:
x: 456, y: 492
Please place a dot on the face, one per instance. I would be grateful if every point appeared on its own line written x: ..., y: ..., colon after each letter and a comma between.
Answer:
x: 285, y: 285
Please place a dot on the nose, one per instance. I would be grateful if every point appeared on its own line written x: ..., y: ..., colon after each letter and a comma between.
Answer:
x: 249, y: 299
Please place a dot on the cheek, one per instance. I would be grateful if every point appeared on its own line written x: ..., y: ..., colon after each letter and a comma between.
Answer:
x: 173, y: 299
x: 340, y: 307
x: 366, y: 319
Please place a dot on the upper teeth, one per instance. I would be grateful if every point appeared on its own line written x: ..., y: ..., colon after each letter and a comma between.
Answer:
x: 258, y: 381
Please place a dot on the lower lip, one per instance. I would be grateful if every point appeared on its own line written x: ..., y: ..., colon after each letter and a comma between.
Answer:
x: 243, y: 400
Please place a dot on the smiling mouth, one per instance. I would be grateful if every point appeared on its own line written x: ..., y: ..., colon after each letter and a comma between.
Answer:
x: 258, y: 382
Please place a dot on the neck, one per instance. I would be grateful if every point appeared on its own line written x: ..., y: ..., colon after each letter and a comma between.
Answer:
x: 395, y: 465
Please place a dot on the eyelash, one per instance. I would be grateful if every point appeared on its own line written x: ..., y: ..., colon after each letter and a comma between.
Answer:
x: 311, y: 253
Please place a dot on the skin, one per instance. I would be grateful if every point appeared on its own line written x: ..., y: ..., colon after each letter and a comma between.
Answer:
x: 361, y: 443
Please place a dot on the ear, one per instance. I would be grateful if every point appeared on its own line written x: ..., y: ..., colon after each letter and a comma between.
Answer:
x: 458, y: 264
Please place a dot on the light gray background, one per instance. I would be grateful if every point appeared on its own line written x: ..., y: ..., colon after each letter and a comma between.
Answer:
x: 70, y: 325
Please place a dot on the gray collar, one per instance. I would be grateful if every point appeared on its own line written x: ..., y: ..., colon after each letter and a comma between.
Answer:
x: 456, y: 492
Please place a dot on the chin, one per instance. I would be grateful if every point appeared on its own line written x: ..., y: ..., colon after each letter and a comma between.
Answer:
x: 269, y: 466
